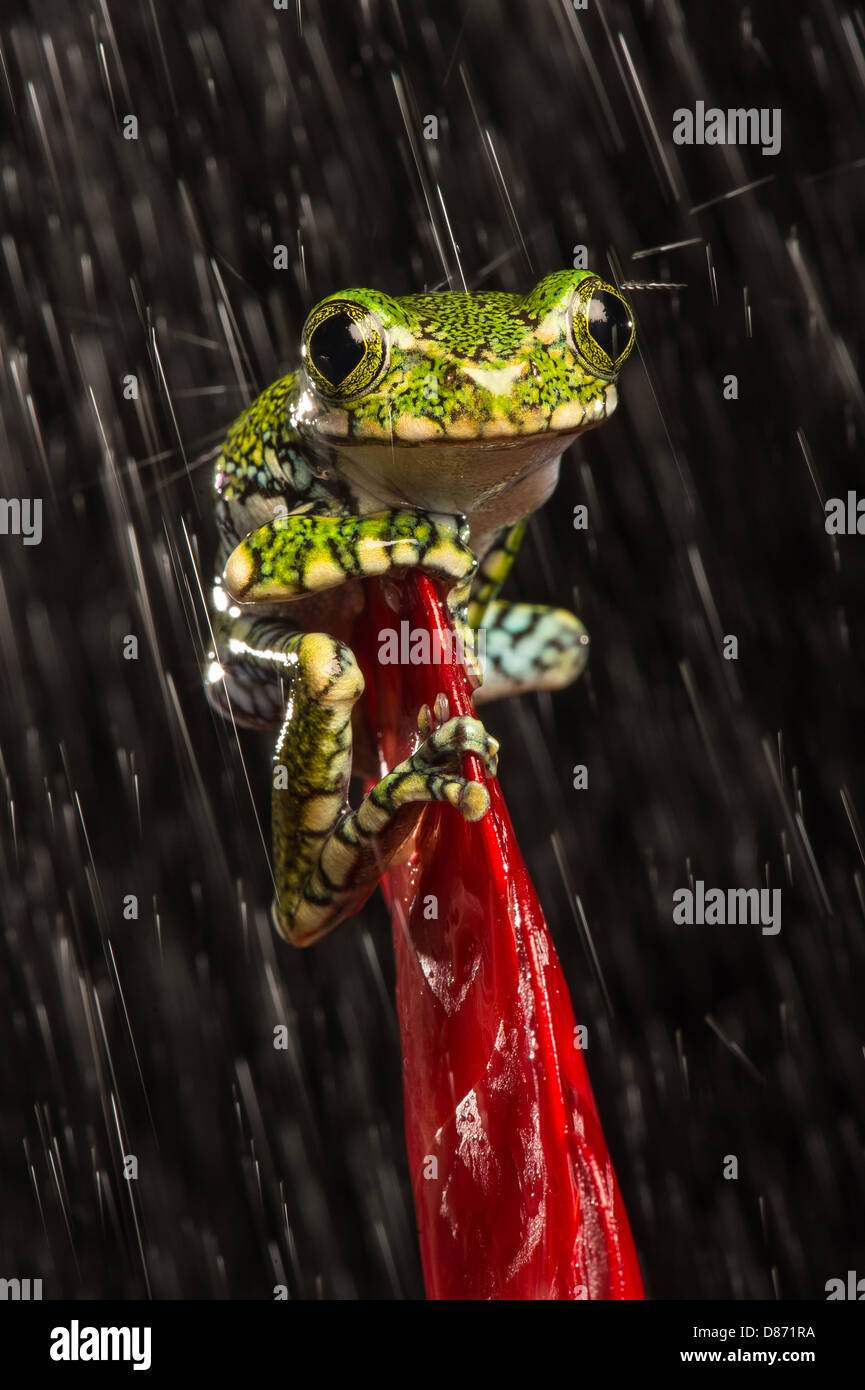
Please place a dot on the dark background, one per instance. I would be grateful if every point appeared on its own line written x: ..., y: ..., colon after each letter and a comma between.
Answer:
x: 154, y: 257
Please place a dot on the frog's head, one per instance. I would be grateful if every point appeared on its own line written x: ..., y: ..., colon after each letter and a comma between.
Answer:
x: 417, y: 393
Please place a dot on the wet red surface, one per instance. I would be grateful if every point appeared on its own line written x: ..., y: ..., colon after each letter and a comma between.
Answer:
x: 514, y: 1189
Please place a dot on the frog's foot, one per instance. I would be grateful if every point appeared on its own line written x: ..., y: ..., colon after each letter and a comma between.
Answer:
x: 434, y: 768
x: 528, y: 646
x: 354, y: 851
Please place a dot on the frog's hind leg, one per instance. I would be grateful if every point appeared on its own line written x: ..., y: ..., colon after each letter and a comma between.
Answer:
x: 328, y: 857
x: 529, y: 646
x: 246, y: 674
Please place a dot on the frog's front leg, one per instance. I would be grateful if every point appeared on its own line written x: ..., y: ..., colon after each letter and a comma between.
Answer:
x: 303, y: 554
x: 529, y: 646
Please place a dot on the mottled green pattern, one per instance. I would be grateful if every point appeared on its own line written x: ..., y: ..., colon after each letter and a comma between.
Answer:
x: 259, y: 448
x: 490, y: 327
x: 471, y: 364
x: 296, y: 520
x: 299, y: 555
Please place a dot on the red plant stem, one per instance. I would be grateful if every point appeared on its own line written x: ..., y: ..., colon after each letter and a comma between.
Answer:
x: 514, y: 1189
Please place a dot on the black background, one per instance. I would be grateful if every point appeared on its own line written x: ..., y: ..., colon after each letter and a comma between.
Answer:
x: 154, y: 257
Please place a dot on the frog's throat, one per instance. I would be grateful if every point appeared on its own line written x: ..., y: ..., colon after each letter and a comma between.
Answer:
x: 493, y: 483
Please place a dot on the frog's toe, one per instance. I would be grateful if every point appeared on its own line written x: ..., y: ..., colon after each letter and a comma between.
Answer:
x: 471, y: 799
x: 442, y: 708
x: 425, y: 721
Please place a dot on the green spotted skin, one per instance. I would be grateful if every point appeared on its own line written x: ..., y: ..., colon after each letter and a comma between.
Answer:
x: 416, y: 432
x: 308, y: 554
x: 467, y: 365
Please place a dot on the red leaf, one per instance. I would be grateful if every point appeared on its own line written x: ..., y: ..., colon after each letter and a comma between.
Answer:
x: 514, y: 1189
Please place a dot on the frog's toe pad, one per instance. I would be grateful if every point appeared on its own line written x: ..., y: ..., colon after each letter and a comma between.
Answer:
x: 425, y: 722
x: 471, y: 799
x: 442, y: 708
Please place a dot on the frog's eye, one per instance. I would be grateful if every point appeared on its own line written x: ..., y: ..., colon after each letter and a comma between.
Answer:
x: 602, y: 326
x: 344, y: 348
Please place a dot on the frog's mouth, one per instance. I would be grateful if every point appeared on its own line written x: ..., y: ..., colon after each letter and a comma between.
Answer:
x: 336, y: 426
x: 492, y: 481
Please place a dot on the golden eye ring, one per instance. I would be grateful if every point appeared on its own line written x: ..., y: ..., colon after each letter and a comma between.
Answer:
x: 601, y: 325
x: 344, y: 348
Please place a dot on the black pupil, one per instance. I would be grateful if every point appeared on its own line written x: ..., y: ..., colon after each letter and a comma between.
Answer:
x: 610, y: 323
x: 336, y: 347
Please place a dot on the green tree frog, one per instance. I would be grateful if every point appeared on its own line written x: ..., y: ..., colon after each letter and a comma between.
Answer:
x: 417, y: 431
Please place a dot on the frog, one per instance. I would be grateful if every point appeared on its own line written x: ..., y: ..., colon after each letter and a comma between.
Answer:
x: 417, y: 432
